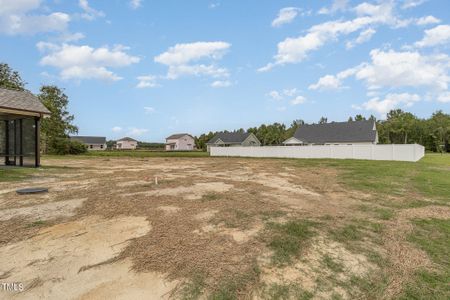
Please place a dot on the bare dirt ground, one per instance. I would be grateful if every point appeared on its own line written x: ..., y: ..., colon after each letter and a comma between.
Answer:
x: 106, y: 229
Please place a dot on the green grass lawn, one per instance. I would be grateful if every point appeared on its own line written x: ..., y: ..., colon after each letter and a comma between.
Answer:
x: 15, y: 174
x: 428, y: 178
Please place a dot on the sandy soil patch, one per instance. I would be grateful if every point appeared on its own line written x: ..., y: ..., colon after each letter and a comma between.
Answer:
x: 43, y: 211
x: 193, y: 192
x: 169, y: 209
x: 58, y: 258
x: 206, y: 215
x: 133, y: 183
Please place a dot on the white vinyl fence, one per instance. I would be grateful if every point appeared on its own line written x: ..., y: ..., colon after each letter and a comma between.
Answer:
x: 406, y: 152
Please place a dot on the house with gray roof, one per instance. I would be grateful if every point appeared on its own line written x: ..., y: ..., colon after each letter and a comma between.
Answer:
x: 20, y: 116
x: 335, y: 133
x: 93, y: 143
x: 180, y: 142
x: 230, y: 139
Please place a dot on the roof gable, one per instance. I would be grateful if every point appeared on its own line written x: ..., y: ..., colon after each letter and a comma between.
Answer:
x: 230, y: 137
x: 21, y: 100
x: 177, y: 136
x: 335, y: 132
x: 126, y: 139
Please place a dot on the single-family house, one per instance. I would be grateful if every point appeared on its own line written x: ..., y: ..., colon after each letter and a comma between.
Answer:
x: 126, y: 143
x: 94, y: 143
x: 20, y: 115
x: 180, y: 142
x: 230, y: 139
x: 335, y: 133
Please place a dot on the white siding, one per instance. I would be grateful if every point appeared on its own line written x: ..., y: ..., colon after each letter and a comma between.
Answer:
x: 184, y: 143
x: 126, y: 145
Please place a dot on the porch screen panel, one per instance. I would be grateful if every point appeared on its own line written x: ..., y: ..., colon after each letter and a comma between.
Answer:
x: 29, y: 142
x: 11, y: 138
x: 2, y: 141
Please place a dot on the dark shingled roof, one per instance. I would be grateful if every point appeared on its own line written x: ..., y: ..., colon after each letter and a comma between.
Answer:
x: 337, y: 132
x: 89, y: 139
x: 21, y: 100
x: 128, y: 139
x: 177, y: 136
x: 230, y: 137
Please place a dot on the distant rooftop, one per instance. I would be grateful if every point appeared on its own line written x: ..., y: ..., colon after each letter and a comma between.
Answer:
x: 177, y: 136
x: 337, y: 132
x: 128, y: 139
x: 230, y: 137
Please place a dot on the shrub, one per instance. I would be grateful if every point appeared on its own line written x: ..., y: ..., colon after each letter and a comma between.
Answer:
x: 64, y: 146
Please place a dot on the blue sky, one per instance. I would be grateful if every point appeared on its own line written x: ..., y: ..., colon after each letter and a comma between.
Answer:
x: 151, y: 68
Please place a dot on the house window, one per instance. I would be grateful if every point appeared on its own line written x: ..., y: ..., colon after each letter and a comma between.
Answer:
x: 101, y: 146
x: 91, y: 146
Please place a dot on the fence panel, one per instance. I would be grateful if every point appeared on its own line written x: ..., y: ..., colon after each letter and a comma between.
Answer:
x: 398, y: 152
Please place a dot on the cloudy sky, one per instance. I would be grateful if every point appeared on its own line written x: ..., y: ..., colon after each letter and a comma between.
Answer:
x: 149, y: 68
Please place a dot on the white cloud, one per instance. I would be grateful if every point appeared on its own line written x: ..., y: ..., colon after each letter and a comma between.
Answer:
x: 444, y: 97
x: 391, y: 101
x: 285, y: 93
x: 85, y: 62
x: 71, y: 37
x: 15, y: 24
x: 338, y: 5
x: 147, y: 81
x: 295, y: 50
x: 149, y: 110
x: 290, y: 92
x: 281, y: 108
x: 363, y: 37
x: 133, y: 131
x: 391, y: 69
x: 298, y: 100
x: 412, y: 3
x: 405, y: 69
x: 135, y: 4
x: 326, y: 82
x: 221, y: 83
x: 285, y: 15
x: 214, y: 5
x: 427, y: 20
x: 185, y: 53
x: 331, y: 82
x: 438, y: 35
x: 177, y: 71
x: 275, y: 95
x: 116, y: 129
x: 18, y: 6
x: 89, y: 12
x: 182, y: 59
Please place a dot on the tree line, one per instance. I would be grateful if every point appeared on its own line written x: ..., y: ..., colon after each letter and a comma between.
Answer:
x: 400, y: 127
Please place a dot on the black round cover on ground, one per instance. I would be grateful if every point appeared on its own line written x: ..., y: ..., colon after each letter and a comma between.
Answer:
x: 31, y: 191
